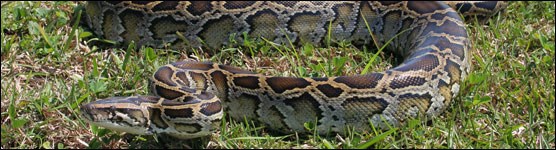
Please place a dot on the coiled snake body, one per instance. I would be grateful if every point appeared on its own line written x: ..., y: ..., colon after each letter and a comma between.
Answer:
x: 191, y: 96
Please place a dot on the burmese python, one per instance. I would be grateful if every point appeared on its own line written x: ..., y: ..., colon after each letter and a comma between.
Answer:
x: 191, y: 96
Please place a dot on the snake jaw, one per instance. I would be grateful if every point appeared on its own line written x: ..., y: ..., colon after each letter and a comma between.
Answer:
x: 119, y: 114
x: 146, y: 115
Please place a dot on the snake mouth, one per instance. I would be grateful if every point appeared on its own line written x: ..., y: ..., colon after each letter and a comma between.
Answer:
x: 125, y: 114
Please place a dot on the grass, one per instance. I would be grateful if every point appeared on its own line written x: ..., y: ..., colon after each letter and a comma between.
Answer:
x: 48, y: 69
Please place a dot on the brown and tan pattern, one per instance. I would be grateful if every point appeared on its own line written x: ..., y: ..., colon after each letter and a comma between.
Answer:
x: 191, y: 96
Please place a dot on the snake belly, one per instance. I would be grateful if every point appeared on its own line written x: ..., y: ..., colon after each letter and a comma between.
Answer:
x: 190, y: 97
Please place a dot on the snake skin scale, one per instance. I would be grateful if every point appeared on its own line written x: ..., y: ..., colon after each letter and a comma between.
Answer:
x: 190, y: 97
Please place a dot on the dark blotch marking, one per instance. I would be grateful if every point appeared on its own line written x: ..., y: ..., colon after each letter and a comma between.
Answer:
x: 304, y: 34
x: 320, y: 79
x: 413, y: 96
x: 427, y: 63
x: 199, y: 7
x: 219, y: 30
x: 165, y: 21
x: 178, y: 103
x: 389, y: 93
x: 263, y: 23
x: 130, y: 33
x: 221, y: 84
x: 392, y: 23
x: 191, y: 65
x: 189, y: 99
x: 360, y: 81
x: 211, y: 108
x: 306, y: 97
x: 164, y: 74
x: 200, y: 79
x: 335, y: 118
x: 479, y: 17
x: 167, y: 93
x: 156, y: 118
x: 205, y: 95
x: 487, y: 5
x: 276, y: 111
x: 365, y: 103
x: 463, y: 7
x: 331, y: 108
x: 238, y: 4
x: 329, y: 91
x: 441, y: 83
x: 247, y: 82
x: 415, y: 100
x: 179, y: 113
x: 404, y: 81
x: 343, y: 21
x: 281, y: 84
x: 235, y: 70
x: 151, y: 99
x: 422, y: 7
x: 254, y: 102
x: 181, y: 75
x: 166, y: 5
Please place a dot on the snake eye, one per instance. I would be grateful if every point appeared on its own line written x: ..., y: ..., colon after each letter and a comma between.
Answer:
x: 113, y: 109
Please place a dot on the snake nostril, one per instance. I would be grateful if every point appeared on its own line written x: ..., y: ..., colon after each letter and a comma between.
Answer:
x: 86, y: 112
x: 85, y: 108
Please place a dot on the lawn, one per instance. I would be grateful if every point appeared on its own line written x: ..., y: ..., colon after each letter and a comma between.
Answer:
x: 50, y: 67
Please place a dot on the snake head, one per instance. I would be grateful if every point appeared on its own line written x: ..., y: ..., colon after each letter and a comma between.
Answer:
x: 146, y: 115
x: 124, y: 114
